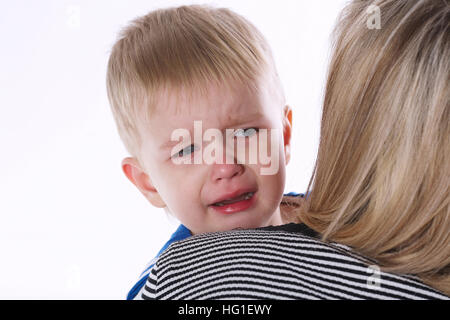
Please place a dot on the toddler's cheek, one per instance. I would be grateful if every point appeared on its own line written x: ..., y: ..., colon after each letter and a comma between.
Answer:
x: 273, y: 185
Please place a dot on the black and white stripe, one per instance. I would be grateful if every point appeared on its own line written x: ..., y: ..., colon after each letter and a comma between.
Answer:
x: 261, y: 264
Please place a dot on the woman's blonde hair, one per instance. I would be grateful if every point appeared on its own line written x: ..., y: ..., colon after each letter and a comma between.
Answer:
x: 181, y: 49
x: 381, y: 180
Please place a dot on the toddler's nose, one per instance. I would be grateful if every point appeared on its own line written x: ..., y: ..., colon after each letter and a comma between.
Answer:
x: 226, y: 171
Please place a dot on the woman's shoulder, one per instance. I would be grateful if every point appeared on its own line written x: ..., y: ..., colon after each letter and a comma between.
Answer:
x: 285, y: 262
x: 291, y: 237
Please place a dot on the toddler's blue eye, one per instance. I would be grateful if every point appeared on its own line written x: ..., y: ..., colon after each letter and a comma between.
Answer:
x: 184, y: 152
x: 246, y: 132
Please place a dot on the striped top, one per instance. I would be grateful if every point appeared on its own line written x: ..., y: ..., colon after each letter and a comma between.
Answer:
x: 285, y: 262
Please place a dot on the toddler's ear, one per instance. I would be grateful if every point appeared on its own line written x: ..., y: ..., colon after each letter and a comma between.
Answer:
x: 287, y: 131
x: 141, y: 180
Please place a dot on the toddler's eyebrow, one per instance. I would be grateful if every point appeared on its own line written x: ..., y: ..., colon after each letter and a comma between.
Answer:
x: 169, y: 144
x: 239, y: 121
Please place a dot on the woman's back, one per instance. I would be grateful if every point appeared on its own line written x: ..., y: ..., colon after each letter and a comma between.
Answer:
x: 284, y: 262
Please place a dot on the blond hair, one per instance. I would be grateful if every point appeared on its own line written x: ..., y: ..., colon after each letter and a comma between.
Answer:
x: 381, y: 180
x: 187, y: 47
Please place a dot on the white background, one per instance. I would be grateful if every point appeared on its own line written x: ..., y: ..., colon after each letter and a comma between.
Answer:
x: 71, y: 225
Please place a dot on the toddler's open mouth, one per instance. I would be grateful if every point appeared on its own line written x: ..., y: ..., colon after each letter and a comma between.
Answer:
x: 244, y: 196
x: 233, y: 204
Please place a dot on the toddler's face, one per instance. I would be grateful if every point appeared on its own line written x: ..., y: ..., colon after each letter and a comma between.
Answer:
x: 222, y: 194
